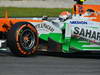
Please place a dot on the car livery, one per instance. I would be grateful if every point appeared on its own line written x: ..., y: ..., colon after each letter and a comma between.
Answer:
x: 79, y: 33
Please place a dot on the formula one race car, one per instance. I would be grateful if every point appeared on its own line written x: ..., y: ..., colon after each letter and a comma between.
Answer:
x: 81, y: 32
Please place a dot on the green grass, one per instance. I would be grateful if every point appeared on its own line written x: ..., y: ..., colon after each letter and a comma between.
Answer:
x: 32, y: 12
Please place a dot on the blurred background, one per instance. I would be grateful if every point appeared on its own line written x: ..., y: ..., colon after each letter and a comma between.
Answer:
x: 38, y: 8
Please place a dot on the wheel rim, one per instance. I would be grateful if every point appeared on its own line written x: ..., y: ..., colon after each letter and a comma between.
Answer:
x: 27, y: 38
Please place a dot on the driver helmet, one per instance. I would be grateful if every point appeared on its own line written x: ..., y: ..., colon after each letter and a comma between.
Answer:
x: 79, y: 1
x: 64, y: 15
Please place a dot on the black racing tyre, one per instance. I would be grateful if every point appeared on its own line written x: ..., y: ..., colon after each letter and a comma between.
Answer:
x: 22, y: 39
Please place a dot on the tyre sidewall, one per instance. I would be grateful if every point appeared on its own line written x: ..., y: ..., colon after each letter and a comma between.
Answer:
x: 14, y: 39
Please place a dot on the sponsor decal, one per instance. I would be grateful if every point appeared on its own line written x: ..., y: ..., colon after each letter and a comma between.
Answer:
x: 91, y: 34
x: 91, y: 46
x: 43, y: 25
x: 78, y: 22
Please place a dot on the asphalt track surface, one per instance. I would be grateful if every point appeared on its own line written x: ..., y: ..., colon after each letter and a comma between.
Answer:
x: 44, y: 63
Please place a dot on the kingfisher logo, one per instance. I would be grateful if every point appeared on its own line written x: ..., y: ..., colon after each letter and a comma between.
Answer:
x: 78, y: 22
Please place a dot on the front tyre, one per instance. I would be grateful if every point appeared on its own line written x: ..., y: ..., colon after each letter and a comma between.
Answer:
x: 22, y: 39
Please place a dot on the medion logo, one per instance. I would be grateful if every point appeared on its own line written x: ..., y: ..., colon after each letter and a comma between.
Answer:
x: 78, y: 22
